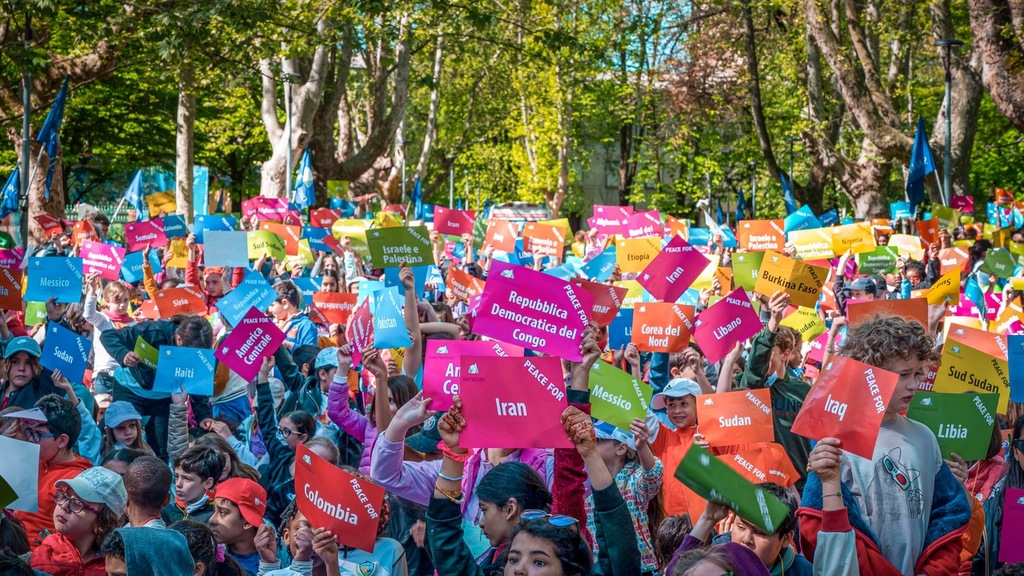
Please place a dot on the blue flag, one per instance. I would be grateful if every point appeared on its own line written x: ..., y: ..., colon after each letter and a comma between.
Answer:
x: 921, y: 164
x: 458, y: 203
x: 741, y: 206
x: 49, y: 134
x: 9, y: 202
x: 487, y: 210
x: 417, y: 200
x: 303, y: 192
x: 133, y: 195
x: 787, y: 194
x: 720, y: 217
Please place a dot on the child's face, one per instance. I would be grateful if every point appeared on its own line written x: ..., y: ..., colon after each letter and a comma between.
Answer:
x: 214, y: 284
x: 289, y: 434
x: 20, y: 370
x: 190, y: 487
x: 117, y: 303
x: 227, y: 523
x: 115, y: 566
x: 326, y: 376
x: 279, y: 310
x: 610, y: 450
x: 329, y: 284
x: 126, y: 433
x: 681, y: 412
x: 767, y: 547
x: 74, y: 525
x: 910, y: 371
x: 861, y: 295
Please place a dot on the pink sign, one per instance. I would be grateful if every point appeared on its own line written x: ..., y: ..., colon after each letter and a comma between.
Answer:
x: 442, y: 366
x: 672, y: 271
x: 254, y: 338
x: 102, y: 259
x: 644, y: 224
x: 512, y: 402
x: 817, y: 352
x: 962, y: 202
x: 10, y: 258
x: 728, y: 321
x: 533, y: 310
x: 610, y: 219
x: 266, y: 208
x: 1011, y: 539
x: 138, y: 235
x: 455, y: 222
x: 360, y: 326
x: 1015, y: 327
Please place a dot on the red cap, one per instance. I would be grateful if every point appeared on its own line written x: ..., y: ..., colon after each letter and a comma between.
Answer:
x: 218, y: 270
x: 249, y: 496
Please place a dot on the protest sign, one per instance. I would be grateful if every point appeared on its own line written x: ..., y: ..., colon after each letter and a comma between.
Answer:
x: 265, y: 242
x: 265, y: 208
x: 206, y: 223
x: 323, y: 217
x: 253, y: 292
x: 512, y: 402
x: 147, y: 353
x: 945, y: 290
x: 59, y: 278
x: 600, y: 267
x: 390, y: 247
x: 227, y: 248
x: 847, y: 387
x: 66, y: 351
x: 103, y: 259
x: 531, y: 309
x: 907, y: 246
x: 1011, y: 539
x: 607, y: 300
x: 353, y: 229
x: 745, y: 269
x: 643, y: 225
x: 501, y: 235
x: 812, y: 244
x: 254, y: 338
x: 174, y: 226
x: 289, y: 234
x: 962, y: 423
x: 857, y: 237
x: 726, y: 322
x: 947, y: 217
x: 1015, y: 356
x: 331, y: 498
x: 735, y: 418
x: 360, y: 327
x: 389, y: 330
x: 952, y: 259
x: 999, y: 262
x: 715, y: 481
x: 881, y: 260
x: 964, y: 368
x: 962, y: 202
x: 801, y: 281
x: 610, y: 219
x: 673, y: 270
x: 51, y: 226
x: 138, y: 235
x: 11, y: 258
x: 442, y: 365
x: 161, y: 203
x: 620, y: 331
x: 805, y: 321
x: 335, y: 306
x: 634, y: 254
x: 462, y: 284
x: 83, y: 230
x: 761, y: 235
x: 990, y: 343
x: 662, y: 326
x: 181, y: 300
x: 911, y: 309
x: 616, y: 396
x: 802, y: 219
x: 20, y: 470
x: 10, y: 289
x: 131, y: 268
x: 180, y: 368
x: 454, y: 222
x: 543, y: 239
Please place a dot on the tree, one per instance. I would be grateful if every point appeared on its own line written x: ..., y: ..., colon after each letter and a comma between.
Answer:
x: 998, y: 28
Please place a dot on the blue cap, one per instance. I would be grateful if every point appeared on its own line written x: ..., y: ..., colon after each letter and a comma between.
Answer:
x: 605, y: 431
x: 22, y: 344
x: 676, y: 388
x: 326, y: 359
x: 120, y: 412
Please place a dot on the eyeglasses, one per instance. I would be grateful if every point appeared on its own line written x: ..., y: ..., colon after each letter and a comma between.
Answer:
x: 72, y: 504
x: 285, y: 432
x: 33, y: 435
x: 560, y: 520
x: 1018, y: 444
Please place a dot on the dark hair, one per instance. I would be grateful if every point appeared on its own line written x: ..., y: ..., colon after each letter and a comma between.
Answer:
x: 238, y: 468
x: 515, y: 480
x: 74, y: 316
x: 289, y: 292
x: 786, y: 497
x: 883, y: 339
x: 100, y: 218
x: 13, y: 539
x: 113, y: 546
x: 61, y: 417
x: 203, y: 461
x: 304, y: 423
x: 331, y: 274
x: 14, y: 566
x: 572, y: 550
x: 669, y: 536
x: 692, y: 558
x: 287, y: 516
x: 193, y: 331
x: 106, y: 522
x: 402, y: 390
x: 1010, y: 570
x: 444, y: 312
x: 916, y: 265
x: 1014, y: 472
x: 200, y: 539
x: 126, y: 455
x: 148, y: 482
x: 305, y: 354
x: 977, y: 252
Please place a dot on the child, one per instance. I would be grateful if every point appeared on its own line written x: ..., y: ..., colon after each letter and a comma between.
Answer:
x: 89, y: 507
x: 26, y: 383
x: 196, y: 471
x: 114, y: 314
x: 148, y: 482
x: 237, y: 517
x: 678, y: 399
x: 206, y: 553
x: 123, y: 429
x: 299, y: 330
x: 147, y: 552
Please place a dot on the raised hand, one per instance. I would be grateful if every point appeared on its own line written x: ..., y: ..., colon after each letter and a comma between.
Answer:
x: 824, y: 459
x: 580, y: 429
x: 451, y: 424
x: 266, y: 543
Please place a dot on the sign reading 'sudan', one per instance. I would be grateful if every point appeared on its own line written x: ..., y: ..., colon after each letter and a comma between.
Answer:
x: 672, y: 271
x: 733, y: 418
x: 847, y: 402
x: 512, y: 402
x: 66, y: 351
x: 534, y: 310
x: 662, y: 327
x: 726, y: 322
x: 256, y: 337
x: 442, y: 366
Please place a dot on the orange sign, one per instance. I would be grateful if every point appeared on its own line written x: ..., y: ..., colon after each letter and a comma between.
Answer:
x: 462, y: 284
x: 290, y: 234
x: 740, y: 417
x: 83, y: 231
x: 501, y: 234
x: 544, y: 239
x: 180, y: 300
x: 662, y: 326
x: 761, y: 235
x: 912, y: 309
x: 952, y: 259
x: 928, y: 230
x: 336, y: 307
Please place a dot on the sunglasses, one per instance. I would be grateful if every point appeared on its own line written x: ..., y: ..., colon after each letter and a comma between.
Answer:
x: 560, y: 520
x: 71, y: 503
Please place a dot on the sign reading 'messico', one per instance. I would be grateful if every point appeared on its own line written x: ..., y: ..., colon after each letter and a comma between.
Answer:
x: 534, y: 310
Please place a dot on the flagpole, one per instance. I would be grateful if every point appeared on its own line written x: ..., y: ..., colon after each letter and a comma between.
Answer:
x: 118, y: 210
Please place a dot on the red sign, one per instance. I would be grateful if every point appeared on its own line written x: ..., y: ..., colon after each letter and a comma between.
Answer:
x: 335, y: 306
x: 455, y: 222
x: 501, y: 234
x: 323, y: 217
x: 138, y: 235
x: 180, y: 300
x: 607, y: 300
x: 463, y: 284
x: 50, y: 224
x: 10, y: 289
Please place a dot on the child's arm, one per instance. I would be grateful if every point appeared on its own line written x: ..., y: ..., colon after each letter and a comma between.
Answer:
x: 89, y: 309
x: 413, y: 354
x: 90, y: 439
x: 641, y: 435
x: 725, y: 376
x: 177, y: 425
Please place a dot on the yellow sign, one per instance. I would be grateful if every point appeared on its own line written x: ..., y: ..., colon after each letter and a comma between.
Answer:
x: 857, y: 237
x: 908, y: 245
x: 707, y: 277
x: 946, y: 290
x: 967, y: 369
x: 801, y: 281
x: 388, y: 220
x: 813, y: 244
x: 179, y: 251
x: 161, y: 202
x: 265, y: 242
x: 355, y: 230
x: 805, y: 321
x: 634, y: 254
x: 634, y: 292
x: 948, y: 218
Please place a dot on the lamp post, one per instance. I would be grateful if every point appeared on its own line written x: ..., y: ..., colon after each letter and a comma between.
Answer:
x: 288, y: 79
x: 753, y: 190
x: 947, y: 175
x: 26, y: 135
x: 790, y: 140
x: 451, y: 181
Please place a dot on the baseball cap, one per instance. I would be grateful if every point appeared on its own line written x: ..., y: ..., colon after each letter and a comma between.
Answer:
x: 22, y: 344
x: 676, y: 388
x: 862, y: 284
x: 120, y: 412
x: 326, y: 359
x: 249, y: 496
x: 427, y: 439
x: 98, y: 484
x: 605, y: 431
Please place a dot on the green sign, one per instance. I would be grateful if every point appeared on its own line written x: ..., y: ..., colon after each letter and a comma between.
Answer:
x: 881, y: 260
x: 961, y: 422
x: 146, y: 352
x: 745, y: 267
x: 616, y: 396
x: 999, y: 262
x: 389, y: 247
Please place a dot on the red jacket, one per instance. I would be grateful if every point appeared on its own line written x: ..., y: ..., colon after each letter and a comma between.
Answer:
x: 58, y: 556
x: 36, y: 523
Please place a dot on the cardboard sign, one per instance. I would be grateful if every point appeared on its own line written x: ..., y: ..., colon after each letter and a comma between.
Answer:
x: 726, y: 322
x: 54, y: 277
x: 146, y: 352
x: 323, y: 217
x: 945, y: 290
x: 761, y: 235
x: 191, y: 368
x: 857, y: 237
x: 253, y: 292
x: 335, y: 306
x: 1011, y: 539
x: 181, y: 300
x: 534, y: 310
x: 848, y: 402
x: 801, y: 281
x: 634, y: 254
x: 812, y: 244
x: 501, y: 234
x: 512, y: 402
x: 161, y: 203
x: 715, y: 481
x: 993, y: 344
x: 462, y: 284
x: 607, y: 300
x: 964, y: 368
x: 264, y: 242
x: 390, y: 247
x: 962, y: 202
x: 544, y: 239
x: 912, y: 309
x: 331, y: 498
x: 907, y: 246
x: 442, y: 366
x: 229, y: 249
x: 616, y: 396
x: 881, y: 260
x: 103, y: 259
x: 138, y: 235
x: 20, y: 470
x: 734, y: 418
x: 620, y: 331
x: 952, y: 259
x: 254, y: 338
x: 66, y: 351
x: 643, y: 225
x: 610, y: 219
x: 962, y: 423
x: 10, y: 289
x: 206, y: 223
x: 673, y: 270
x: 51, y: 226
x: 360, y: 327
x: 805, y: 321
x: 662, y: 326
x: 454, y: 222
x: 999, y: 262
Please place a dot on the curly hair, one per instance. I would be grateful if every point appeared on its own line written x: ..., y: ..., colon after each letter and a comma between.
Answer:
x: 885, y: 338
x: 570, y: 548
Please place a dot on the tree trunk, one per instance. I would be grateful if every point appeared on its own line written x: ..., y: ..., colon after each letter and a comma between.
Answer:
x: 430, y: 134
x: 37, y: 201
x: 184, y: 155
x: 996, y: 27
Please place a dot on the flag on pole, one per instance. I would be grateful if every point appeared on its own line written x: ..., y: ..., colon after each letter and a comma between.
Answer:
x: 9, y: 201
x: 417, y: 200
x: 49, y: 134
x: 741, y: 206
x: 486, y: 214
x: 721, y: 215
x: 787, y: 194
x: 921, y: 164
x: 133, y: 195
x: 303, y: 191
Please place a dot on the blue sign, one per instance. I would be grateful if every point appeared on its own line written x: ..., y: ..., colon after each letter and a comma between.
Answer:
x: 899, y: 210
x: 226, y: 249
x: 131, y: 268
x: 174, y: 226
x: 316, y: 237
x: 252, y: 292
x: 419, y: 273
x: 802, y: 219
x: 54, y: 276
x: 601, y: 266
x: 204, y: 223
x: 389, y: 329
x: 65, y: 351
x: 191, y: 368
x: 307, y: 286
x: 620, y: 331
